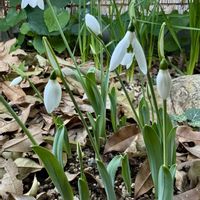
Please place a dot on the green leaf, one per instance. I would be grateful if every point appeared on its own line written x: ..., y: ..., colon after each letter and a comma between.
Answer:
x: 154, y: 151
x: 107, y: 182
x: 144, y: 114
x: 14, y: 3
x: 55, y: 172
x: 126, y: 173
x: 58, y: 144
x: 193, y: 114
x: 25, y: 28
x: 13, y: 17
x: 57, y: 43
x: 62, y: 15
x: 50, y: 54
x: 38, y: 45
x: 171, y: 147
x: 3, y: 25
x: 83, y: 189
x: 36, y: 21
x: 112, y: 167
x: 113, y: 109
x: 165, y: 184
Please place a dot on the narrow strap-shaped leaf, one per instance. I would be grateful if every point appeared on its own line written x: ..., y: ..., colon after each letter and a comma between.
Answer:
x: 154, y: 151
x: 83, y: 189
x: 58, y: 144
x: 106, y: 181
x: 55, y: 172
x: 171, y: 147
x: 165, y: 184
x: 112, y: 167
x: 126, y: 173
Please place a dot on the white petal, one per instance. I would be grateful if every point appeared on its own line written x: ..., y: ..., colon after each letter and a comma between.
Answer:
x: 139, y: 55
x: 127, y: 60
x: 163, y: 81
x: 120, y: 51
x: 16, y: 81
x: 52, y: 95
x: 24, y: 3
x: 92, y: 23
x: 33, y: 3
x: 40, y: 4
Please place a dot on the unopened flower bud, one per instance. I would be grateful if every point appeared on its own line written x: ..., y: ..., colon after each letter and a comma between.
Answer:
x: 52, y: 95
x: 16, y: 81
x: 163, y: 82
x: 92, y: 23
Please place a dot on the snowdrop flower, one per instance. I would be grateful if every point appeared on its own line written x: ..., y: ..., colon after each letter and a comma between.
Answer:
x: 127, y: 60
x: 92, y: 24
x: 120, y: 54
x: 120, y: 51
x: 52, y: 95
x: 16, y: 81
x: 33, y: 3
x: 163, y: 82
x: 139, y: 55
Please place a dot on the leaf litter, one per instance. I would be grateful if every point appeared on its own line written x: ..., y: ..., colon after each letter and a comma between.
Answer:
x: 21, y: 168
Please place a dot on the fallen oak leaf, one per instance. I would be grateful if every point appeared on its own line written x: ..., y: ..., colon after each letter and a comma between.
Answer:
x: 143, y: 181
x: 189, y: 139
x: 12, y: 93
x: 122, y: 139
x: 10, y: 126
x: 193, y: 194
x: 23, y: 144
x: 9, y: 182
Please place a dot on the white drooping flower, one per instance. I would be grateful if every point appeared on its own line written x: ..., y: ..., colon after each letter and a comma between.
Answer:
x: 127, y: 59
x: 33, y: 3
x: 92, y: 24
x: 120, y: 51
x: 163, y: 82
x: 52, y: 95
x: 139, y: 55
x: 16, y: 81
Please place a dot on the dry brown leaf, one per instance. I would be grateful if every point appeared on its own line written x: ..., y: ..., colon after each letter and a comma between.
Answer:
x: 186, y: 134
x: 143, y: 181
x: 78, y: 135
x: 70, y: 176
x: 34, y: 188
x: 26, y: 166
x: 4, y: 67
x: 13, y: 93
x: 20, y: 197
x: 10, y: 126
x: 23, y: 144
x: 189, y: 139
x: 122, y: 139
x: 137, y: 147
x: 8, y: 58
x: 9, y: 182
x: 194, y: 173
x: 181, y: 180
x: 193, y: 194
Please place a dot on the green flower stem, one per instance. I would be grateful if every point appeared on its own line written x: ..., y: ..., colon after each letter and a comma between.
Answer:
x: 35, y: 89
x: 18, y: 120
x: 67, y: 86
x: 63, y: 37
x: 129, y: 100
x: 153, y: 98
x: 94, y: 145
x: 165, y: 156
